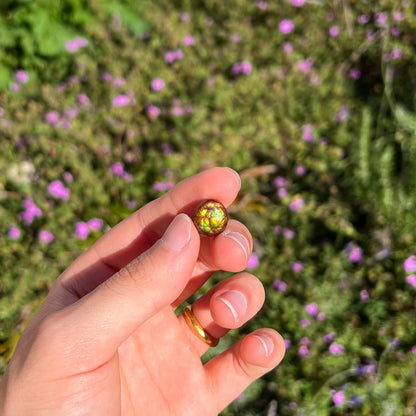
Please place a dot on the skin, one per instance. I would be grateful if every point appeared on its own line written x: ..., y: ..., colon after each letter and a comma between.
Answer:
x: 107, y: 340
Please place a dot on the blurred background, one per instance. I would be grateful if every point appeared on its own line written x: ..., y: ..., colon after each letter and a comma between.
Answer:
x: 106, y: 104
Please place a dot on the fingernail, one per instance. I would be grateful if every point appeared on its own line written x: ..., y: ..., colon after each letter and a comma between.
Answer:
x: 178, y: 233
x: 239, y: 239
x: 236, y: 303
x: 236, y: 175
x: 267, y: 343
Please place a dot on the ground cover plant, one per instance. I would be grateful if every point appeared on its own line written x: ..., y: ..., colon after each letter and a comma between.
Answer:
x: 311, y: 101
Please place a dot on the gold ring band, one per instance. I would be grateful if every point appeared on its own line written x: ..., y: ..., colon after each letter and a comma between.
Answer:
x: 197, y: 328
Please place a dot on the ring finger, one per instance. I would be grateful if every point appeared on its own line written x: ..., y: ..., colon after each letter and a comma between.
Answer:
x: 228, y: 305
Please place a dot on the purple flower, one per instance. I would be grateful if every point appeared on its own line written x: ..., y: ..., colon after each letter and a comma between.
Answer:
x: 354, y: 73
x: 334, y: 31
x: 307, y: 133
x: 31, y: 212
x: 282, y: 192
x: 21, y: 76
x: 157, y: 84
x: 279, y: 182
x: 95, y: 224
x: 414, y: 350
x: 68, y: 177
x: 338, y: 398
x: 45, y: 236
x: 363, y: 19
x: 188, y: 40
x: 329, y: 337
x: 304, y: 323
x: 409, y: 264
x: 280, y: 285
x: 14, y: 232
x: 297, y: 267
x: 58, y: 190
x: 411, y: 280
x: 117, y: 169
x: 336, y: 349
x: 356, y: 255
x: 286, y: 26
x: 83, y: 99
x: 312, y: 309
x: 74, y: 44
x: 153, y: 111
x: 253, y: 262
x: 289, y: 234
x: 162, y: 186
x: 52, y: 117
x: 297, y: 3
x: 82, y: 230
x: 364, y: 296
x: 303, y: 351
x: 119, y: 81
x: 288, y: 343
x: 305, y: 65
x: 287, y: 48
x: 261, y: 4
x: 243, y: 67
x: 300, y: 170
x: 297, y: 204
x: 120, y: 100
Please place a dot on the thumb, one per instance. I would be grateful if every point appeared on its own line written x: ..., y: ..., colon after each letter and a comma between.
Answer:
x: 103, y: 319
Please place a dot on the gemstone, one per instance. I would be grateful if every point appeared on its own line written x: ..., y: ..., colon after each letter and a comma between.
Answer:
x: 210, y: 217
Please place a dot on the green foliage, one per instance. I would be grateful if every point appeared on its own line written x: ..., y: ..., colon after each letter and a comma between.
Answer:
x: 33, y: 34
x: 356, y: 175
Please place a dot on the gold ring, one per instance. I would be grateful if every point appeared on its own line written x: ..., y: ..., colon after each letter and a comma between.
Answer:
x: 197, y: 328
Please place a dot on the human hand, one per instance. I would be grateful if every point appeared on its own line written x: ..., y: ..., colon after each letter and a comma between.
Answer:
x: 107, y: 340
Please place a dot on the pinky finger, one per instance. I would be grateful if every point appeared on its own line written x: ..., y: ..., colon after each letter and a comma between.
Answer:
x: 232, y: 371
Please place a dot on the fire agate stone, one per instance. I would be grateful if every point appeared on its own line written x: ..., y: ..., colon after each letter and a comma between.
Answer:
x: 210, y: 218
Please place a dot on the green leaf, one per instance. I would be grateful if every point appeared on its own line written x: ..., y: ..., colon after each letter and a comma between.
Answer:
x: 6, y: 77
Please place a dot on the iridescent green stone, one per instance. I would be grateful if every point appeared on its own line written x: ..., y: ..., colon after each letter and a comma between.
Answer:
x: 210, y: 217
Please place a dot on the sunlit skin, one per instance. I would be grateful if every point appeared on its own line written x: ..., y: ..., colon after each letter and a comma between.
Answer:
x: 107, y: 339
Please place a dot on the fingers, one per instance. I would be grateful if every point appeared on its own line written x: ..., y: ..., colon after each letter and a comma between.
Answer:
x: 232, y: 371
x: 228, y: 305
x: 140, y: 230
x: 104, y: 318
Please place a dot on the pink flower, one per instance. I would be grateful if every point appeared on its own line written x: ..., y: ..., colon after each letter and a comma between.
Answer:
x: 287, y: 48
x: 95, y: 224
x: 83, y: 99
x: 303, y: 351
x: 334, y: 31
x: 280, y: 182
x: 363, y: 19
x: 409, y: 264
x: 312, y: 309
x: 356, y: 255
x: 58, y: 190
x: 157, y: 84
x: 300, y: 170
x: 21, y: 76
x: 153, y: 111
x: 188, y: 40
x: 45, y: 236
x: 336, y: 349
x: 297, y: 204
x: 306, y: 65
x: 297, y: 267
x: 14, y: 232
x: 307, y: 133
x: 243, y: 67
x: 286, y: 26
x: 74, y: 44
x: 52, y: 117
x: 297, y: 3
x: 253, y: 262
x: 411, y: 280
x: 117, y: 169
x: 31, y: 211
x: 354, y: 73
x: 82, y: 230
x: 120, y: 100
x: 280, y: 285
x: 338, y: 398
x: 364, y: 296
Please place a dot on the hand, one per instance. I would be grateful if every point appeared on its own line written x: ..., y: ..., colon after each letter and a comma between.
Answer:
x: 107, y: 340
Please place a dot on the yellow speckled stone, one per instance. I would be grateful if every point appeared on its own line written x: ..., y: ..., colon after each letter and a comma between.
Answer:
x: 210, y: 217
